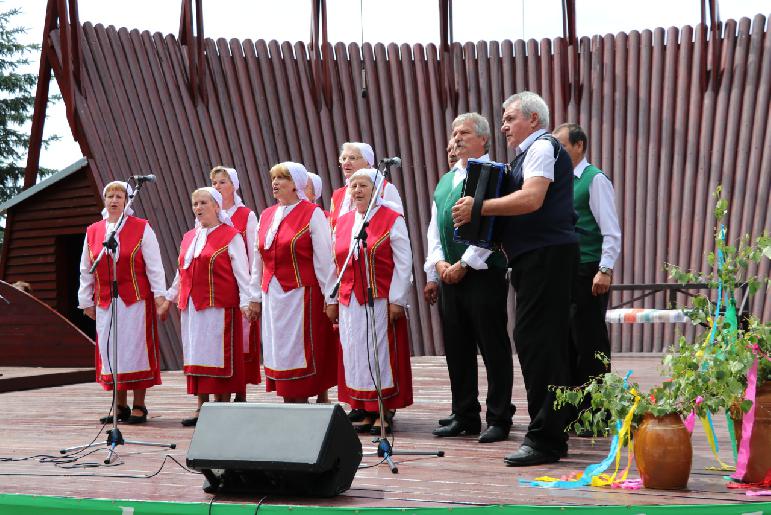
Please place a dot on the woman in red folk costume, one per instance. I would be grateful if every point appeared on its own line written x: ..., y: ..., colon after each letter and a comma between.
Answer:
x: 313, y: 191
x: 386, y: 268
x: 292, y: 276
x: 141, y: 286
x: 225, y: 181
x: 353, y: 157
x: 314, y: 188
x: 211, y: 284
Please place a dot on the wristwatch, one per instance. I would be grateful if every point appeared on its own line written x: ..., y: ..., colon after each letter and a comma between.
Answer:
x: 605, y: 270
x: 463, y: 264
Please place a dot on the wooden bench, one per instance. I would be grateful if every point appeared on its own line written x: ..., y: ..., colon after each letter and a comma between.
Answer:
x: 620, y: 314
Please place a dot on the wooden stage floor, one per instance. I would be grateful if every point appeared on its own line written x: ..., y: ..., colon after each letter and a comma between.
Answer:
x: 44, y: 420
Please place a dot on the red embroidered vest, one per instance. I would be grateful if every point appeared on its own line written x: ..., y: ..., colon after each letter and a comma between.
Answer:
x: 290, y: 256
x: 240, y: 219
x: 133, y: 284
x: 337, y: 202
x: 380, y: 257
x: 209, y: 279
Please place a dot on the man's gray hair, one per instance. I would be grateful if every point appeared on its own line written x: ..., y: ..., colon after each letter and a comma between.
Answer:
x: 481, y: 126
x: 530, y: 103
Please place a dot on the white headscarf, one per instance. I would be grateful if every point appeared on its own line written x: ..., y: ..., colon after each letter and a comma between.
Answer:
x: 365, y: 149
x: 375, y: 177
x: 299, y: 177
x: 126, y: 188
x: 318, y: 184
x: 234, y: 179
x: 222, y: 216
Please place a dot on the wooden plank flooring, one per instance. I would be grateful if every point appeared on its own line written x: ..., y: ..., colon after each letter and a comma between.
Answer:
x: 43, y: 421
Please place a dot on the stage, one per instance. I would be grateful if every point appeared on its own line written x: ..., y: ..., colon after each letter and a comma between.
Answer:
x: 42, y: 421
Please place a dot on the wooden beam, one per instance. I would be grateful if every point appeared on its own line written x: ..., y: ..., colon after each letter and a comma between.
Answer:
x: 75, y: 48
x: 41, y: 99
x: 200, y: 41
x: 449, y: 94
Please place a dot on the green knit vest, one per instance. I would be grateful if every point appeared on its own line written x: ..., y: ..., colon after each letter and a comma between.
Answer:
x: 589, y: 235
x: 445, y: 196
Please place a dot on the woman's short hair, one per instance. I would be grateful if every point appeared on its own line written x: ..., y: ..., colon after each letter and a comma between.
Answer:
x: 280, y: 171
x: 115, y: 186
x: 218, y: 170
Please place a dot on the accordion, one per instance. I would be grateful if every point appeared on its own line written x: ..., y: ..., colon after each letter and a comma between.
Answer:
x: 484, y: 180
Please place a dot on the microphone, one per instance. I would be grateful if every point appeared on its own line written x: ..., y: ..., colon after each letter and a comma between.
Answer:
x: 143, y: 178
x: 391, y: 161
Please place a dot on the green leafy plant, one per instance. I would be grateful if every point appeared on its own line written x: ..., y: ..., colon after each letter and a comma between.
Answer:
x: 611, y: 397
x: 718, y: 360
x: 707, y: 374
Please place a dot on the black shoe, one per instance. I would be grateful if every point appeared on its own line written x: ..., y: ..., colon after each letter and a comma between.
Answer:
x: 133, y: 419
x: 389, y: 420
x: 366, y: 422
x: 192, y: 421
x: 526, y: 456
x: 457, y: 428
x: 357, y: 415
x: 494, y: 434
x: 124, y: 412
x: 446, y: 421
x: 189, y: 422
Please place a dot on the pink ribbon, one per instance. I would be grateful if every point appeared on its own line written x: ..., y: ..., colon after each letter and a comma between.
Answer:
x: 690, y: 421
x: 748, y: 421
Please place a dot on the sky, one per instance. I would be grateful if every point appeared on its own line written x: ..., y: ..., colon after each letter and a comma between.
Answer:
x: 400, y: 21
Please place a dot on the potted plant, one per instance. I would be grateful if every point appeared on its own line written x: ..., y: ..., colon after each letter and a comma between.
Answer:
x: 708, y: 375
x: 734, y: 353
x: 662, y: 445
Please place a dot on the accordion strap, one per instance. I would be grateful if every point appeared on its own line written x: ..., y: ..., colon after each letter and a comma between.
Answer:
x: 479, y: 198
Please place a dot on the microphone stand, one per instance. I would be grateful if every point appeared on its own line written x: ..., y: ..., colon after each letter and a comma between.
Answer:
x: 384, y: 448
x: 110, y: 247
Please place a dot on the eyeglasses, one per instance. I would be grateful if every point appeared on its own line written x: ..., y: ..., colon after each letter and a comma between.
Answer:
x: 343, y: 159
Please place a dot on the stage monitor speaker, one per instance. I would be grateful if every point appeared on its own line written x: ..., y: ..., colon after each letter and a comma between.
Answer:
x: 275, y: 449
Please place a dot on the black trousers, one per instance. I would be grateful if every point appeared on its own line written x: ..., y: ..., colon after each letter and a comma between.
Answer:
x: 473, y: 314
x: 588, y: 330
x: 542, y: 280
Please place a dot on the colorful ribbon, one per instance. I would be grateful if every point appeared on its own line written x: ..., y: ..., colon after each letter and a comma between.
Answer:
x: 747, y: 423
x: 593, y: 475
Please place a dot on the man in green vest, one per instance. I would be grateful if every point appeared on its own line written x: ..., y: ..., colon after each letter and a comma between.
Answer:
x: 600, y: 244
x: 472, y: 294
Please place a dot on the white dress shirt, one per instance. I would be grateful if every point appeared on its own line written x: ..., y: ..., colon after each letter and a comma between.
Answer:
x: 602, y: 203
x: 539, y: 161
x: 475, y: 257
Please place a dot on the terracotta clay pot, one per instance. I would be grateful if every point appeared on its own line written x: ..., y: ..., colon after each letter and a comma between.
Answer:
x: 759, y: 463
x: 663, y: 452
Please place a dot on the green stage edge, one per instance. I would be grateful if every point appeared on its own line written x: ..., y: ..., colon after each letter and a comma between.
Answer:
x: 17, y: 504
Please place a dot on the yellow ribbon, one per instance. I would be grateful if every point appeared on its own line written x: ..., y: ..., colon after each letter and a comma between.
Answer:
x: 711, y: 439
x: 626, y: 428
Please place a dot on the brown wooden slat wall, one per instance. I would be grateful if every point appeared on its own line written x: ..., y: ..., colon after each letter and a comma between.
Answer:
x: 658, y: 125
x: 67, y: 208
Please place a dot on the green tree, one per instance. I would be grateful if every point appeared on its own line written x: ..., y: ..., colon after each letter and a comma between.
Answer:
x: 17, y: 98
